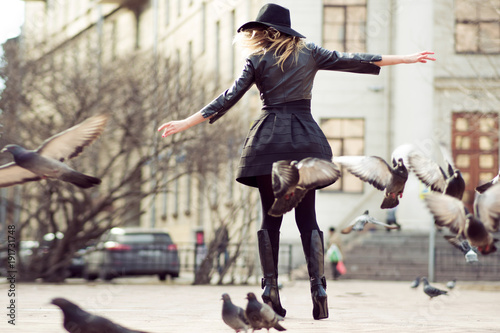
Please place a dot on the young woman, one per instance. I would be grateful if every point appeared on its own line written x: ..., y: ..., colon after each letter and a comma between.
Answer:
x: 283, y: 67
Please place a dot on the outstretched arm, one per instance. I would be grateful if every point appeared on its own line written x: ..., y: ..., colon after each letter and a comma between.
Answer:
x: 388, y: 60
x: 177, y: 126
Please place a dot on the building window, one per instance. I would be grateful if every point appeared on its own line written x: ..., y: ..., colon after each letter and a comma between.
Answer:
x: 475, y: 149
x: 346, y: 137
x: 344, y: 25
x: 477, y: 26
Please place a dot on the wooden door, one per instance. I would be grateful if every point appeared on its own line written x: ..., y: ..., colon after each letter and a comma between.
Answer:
x: 475, y: 149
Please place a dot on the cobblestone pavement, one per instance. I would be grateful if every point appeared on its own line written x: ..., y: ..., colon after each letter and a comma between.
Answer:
x: 355, y: 306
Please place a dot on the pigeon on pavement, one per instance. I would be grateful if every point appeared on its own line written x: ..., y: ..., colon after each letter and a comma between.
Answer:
x: 451, y: 284
x: 477, y: 228
x: 47, y: 160
x: 415, y: 283
x: 77, y: 320
x: 431, y: 174
x: 377, y: 172
x: 291, y: 180
x: 358, y: 224
x: 261, y: 315
x: 233, y: 315
x: 432, y: 291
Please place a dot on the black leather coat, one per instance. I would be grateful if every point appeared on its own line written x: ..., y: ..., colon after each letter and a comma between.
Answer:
x: 294, y: 83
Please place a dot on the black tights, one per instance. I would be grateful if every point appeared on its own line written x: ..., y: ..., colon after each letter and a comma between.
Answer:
x: 305, y: 212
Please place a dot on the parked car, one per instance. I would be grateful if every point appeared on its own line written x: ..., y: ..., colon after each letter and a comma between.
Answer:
x: 132, y: 251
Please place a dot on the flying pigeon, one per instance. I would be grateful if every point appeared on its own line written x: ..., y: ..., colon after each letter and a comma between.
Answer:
x: 377, y: 172
x: 77, y: 320
x: 261, y: 315
x: 291, y: 180
x: 431, y: 174
x: 451, y: 284
x: 432, y: 291
x: 464, y: 246
x: 415, y: 283
x: 477, y: 228
x: 233, y: 315
x: 47, y: 160
x: 358, y: 224
x: 485, y: 186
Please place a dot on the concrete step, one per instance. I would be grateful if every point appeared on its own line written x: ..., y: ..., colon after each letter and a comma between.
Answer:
x: 404, y: 255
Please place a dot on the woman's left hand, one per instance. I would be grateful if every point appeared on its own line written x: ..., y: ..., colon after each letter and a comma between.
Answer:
x: 423, y: 57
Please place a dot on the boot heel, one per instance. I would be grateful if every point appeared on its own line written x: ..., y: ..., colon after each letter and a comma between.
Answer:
x: 320, y: 307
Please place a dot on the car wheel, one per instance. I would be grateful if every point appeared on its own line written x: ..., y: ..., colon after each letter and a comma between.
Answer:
x: 106, y: 275
x: 162, y: 276
x: 89, y: 276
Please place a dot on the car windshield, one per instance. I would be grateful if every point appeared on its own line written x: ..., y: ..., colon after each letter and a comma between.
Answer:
x: 142, y: 238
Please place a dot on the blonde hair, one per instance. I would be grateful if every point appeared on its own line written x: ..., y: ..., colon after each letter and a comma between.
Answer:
x: 262, y: 40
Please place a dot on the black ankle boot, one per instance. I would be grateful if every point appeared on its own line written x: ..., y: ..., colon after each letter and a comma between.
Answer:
x: 268, y: 252
x: 312, y: 244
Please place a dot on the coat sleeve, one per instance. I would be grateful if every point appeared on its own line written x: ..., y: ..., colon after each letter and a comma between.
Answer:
x: 219, y: 106
x: 346, y: 62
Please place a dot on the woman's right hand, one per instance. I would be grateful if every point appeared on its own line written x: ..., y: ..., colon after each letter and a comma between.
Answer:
x: 172, y: 127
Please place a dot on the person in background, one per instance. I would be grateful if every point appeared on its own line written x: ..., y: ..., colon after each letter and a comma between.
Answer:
x: 334, y: 249
x: 283, y: 67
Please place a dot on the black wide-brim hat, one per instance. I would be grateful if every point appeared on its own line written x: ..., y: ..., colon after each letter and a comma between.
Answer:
x: 275, y: 16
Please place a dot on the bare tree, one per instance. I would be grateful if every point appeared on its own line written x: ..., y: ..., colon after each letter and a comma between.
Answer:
x: 47, y: 95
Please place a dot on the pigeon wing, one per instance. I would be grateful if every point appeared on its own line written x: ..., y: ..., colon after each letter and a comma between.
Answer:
x: 267, y: 313
x: 487, y: 208
x: 70, y: 143
x: 358, y: 221
x: 377, y: 222
x: 285, y: 204
x: 285, y: 177
x: 12, y: 174
x: 371, y: 169
x: 316, y: 172
x: 447, y: 211
x: 348, y: 229
x: 427, y: 171
x: 484, y: 187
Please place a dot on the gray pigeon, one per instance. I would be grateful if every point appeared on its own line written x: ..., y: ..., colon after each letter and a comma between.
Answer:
x: 431, y: 174
x: 377, y: 172
x: 359, y: 223
x: 77, y: 320
x: 291, y: 180
x: 477, y: 228
x: 464, y: 246
x: 415, y: 283
x: 432, y: 291
x: 233, y: 315
x: 47, y: 160
x: 261, y: 315
x: 451, y: 284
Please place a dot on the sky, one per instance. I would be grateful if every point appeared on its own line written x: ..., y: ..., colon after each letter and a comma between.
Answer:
x: 11, y: 18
